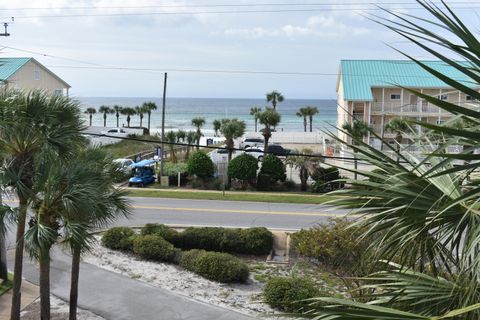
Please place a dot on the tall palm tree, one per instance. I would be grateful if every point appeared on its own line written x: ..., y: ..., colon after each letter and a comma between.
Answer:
x: 305, y: 164
x: 255, y: 111
x: 269, y: 118
x: 129, y: 112
x: 357, y: 130
x: 198, y: 123
x: 397, y: 125
x: 105, y: 110
x: 216, y: 126
x: 117, y: 110
x: 90, y: 112
x: 171, y: 138
x: 149, y: 107
x: 32, y: 124
x: 231, y: 129
x: 7, y: 215
x: 302, y: 113
x: 191, y: 138
x: 140, y: 112
x: 311, y: 111
x: 274, y: 97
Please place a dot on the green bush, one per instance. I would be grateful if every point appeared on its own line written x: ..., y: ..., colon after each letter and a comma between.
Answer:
x: 119, y: 238
x: 248, y: 241
x: 338, y: 244
x: 154, y: 247
x: 326, y: 180
x: 287, y: 294
x: 215, y: 266
x: 274, y: 167
x: 166, y: 232
x: 200, y: 165
x: 264, y: 182
x: 243, y: 168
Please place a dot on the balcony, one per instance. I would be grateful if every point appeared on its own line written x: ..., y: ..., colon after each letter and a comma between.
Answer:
x: 422, y: 108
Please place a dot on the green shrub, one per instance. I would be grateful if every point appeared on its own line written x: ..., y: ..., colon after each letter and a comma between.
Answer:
x: 338, y: 244
x: 243, y: 168
x: 119, y: 238
x: 200, y: 165
x: 264, y: 182
x: 154, y: 247
x: 248, y: 241
x: 326, y: 179
x: 215, y: 266
x: 256, y: 241
x: 274, y: 167
x: 166, y: 232
x: 289, y: 185
x: 287, y: 294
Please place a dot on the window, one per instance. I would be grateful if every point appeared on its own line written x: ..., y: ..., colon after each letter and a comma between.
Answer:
x: 443, y: 97
x: 58, y: 92
x: 395, y: 96
x: 440, y: 122
x: 469, y: 98
x: 36, y: 74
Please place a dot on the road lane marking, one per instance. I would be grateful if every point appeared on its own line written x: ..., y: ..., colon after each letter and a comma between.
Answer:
x: 313, y: 214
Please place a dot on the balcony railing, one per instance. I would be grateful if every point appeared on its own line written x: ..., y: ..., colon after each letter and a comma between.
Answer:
x: 417, y: 108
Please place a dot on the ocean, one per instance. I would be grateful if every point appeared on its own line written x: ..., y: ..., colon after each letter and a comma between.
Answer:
x: 180, y: 111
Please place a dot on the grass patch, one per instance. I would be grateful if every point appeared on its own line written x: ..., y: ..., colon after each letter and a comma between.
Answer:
x: 6, y: 285
x: 231, y: 196
x: 126, y: 148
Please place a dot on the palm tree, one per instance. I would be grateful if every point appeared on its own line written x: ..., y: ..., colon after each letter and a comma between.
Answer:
x: 231, y: 129
x: 140, y: 112
x: 311, y: 111
x: 397, y: 125
x: 305, y: 164
x: 198, y: 123
x: 274, y: 97
x: 149, y: 107
x: 6, y: 216
x: 216, y: 126
x: 255, y: 111
x: 357, y: 130
x: 105, y: 110
x: 269, y: 118
x: 129, y: 112
x: 302, y: 112
x: 117, y: 110
x: 90, y: 112
x: 191, y: 138
x: 171, y: 138
x: 32, y: 124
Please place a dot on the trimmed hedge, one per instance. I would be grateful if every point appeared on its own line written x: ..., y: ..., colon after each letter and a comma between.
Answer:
x: 248, y: 241
x: 264, y: 182
x: 154, y: 247
x: 200, y: 165
x: 243, y: 168
x: 274, y: 167
x: 119, y: 238
x: 166, y: 232
x: 287, y: 294
x: 215, y: 266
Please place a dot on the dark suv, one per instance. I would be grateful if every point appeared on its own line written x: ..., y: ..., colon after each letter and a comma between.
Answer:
x: 278, y: 150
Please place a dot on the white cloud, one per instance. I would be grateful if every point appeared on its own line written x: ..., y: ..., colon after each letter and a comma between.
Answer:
x: 318, y: 25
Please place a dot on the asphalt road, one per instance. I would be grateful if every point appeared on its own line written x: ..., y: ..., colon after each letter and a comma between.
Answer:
x: 227, y: 213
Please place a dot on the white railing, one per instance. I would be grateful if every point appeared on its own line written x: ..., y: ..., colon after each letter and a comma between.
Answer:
x: 420, y: 107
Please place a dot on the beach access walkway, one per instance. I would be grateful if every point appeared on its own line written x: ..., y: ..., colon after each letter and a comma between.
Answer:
x: 114, y: 296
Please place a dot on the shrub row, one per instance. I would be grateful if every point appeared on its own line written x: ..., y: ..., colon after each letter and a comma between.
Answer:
x: 289, y: 294
x: 247, y: 241
x: 216, y: 266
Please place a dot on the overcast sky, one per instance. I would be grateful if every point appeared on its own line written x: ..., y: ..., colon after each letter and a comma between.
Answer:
x: 81, y: 44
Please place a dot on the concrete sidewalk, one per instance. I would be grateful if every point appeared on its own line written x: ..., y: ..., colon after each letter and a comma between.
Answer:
x: 116, y: 297
x: 30, y: 293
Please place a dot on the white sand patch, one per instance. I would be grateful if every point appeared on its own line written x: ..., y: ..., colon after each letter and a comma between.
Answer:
x: 59, y: 311
x: 245, y: 298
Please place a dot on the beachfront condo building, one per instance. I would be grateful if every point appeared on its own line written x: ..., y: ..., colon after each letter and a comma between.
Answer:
x: 372, y: 91
x: 29, y: 74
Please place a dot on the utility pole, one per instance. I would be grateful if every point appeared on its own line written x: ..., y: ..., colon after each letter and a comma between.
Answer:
x: 5, y: 34
x: 163, y: 124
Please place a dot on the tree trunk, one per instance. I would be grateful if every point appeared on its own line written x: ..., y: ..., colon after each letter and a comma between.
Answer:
x: 104, y: 119
x: 303, y: 178
x: 141, y: 121
x: 355, y: 165
x: 304, y: 124
x: 44, y: 286
x: 266, y: 136
x: 90, y: 119
x: 256, y: 121
x: 187, y: 154
x: 117, y: 119
x: 74, y: 283
x: 18, y: 267
x: 311, y: 120
x: 149, y: 122
x: 128, y: 121
x: 3, y: 253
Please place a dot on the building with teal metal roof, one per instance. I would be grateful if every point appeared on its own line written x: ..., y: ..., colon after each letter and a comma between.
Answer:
x: 371, y: 91
x: 29, y: 74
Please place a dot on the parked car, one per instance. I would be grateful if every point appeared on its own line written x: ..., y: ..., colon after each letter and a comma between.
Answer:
x: 278, y: 150
x: 125, y: 165
x: 115, y: 132
x: 220, y: 155
x: 144, y: 173
x: 252, y: 142
x: 256, y: 152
